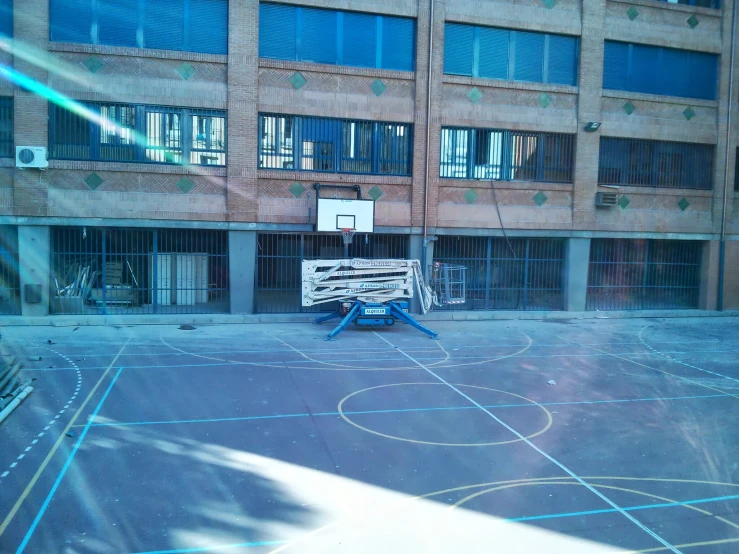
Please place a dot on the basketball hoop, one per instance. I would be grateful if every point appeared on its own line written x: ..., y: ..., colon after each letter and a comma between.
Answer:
x: 347, y: 234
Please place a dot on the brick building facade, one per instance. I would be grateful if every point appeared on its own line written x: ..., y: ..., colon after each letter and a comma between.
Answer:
x: 247, y: 201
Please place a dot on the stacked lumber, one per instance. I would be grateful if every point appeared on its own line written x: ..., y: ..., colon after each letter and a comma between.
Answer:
x: 13, y: 388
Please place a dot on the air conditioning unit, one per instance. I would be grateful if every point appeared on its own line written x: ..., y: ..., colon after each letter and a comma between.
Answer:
x: 31, y: 157
x: 606, y: 199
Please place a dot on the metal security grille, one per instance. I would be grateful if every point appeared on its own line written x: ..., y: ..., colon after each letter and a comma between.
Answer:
x: 6, y: 127
x: 654, y: 163
x: 279, y: 258
x: 641, y: 274
x: 523, y: 275
x: 506, y: 155
x: 334, y: 145
x: 98, y: 270
x: 10, y: 293
x: 133, y: 133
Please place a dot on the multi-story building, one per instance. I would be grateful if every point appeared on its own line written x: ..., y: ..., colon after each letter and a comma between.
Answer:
x: 573, y: 154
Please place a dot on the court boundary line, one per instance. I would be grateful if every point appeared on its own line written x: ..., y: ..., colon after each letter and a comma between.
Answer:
x: 541, y: 452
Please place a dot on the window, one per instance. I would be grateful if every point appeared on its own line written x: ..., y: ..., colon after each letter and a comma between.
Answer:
x: 336, y: 37
x: 334, y: 145
x: 6, y: 128
x: 6, y: 18
x: 699, y: 3
x: 652, y: 163
x: 506, y: 155
x: 187, y: 25
x: 128, y: 133
x: 657, y: 70
x: 513, y: 55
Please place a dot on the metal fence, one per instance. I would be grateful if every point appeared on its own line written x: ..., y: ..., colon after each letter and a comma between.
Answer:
x: 10, y: 286
x: 279, y: 258
x: 519, y: 274
x: 643, y: 274
x: 97, y: 270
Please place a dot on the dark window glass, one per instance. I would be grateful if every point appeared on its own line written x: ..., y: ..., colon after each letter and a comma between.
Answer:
x: 502, y: 54
x: 653, y: 163
x: 334, y: 145
x: 6, y: 128
x: 132, y: 133
x: 506, y: 155
x: 336, y: 37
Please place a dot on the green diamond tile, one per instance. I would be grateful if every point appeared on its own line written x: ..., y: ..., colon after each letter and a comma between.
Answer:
x: 683, y: 204
x: 185, y: 185
x: 375, y: 192
x: 378, y: 87
x: 93, y: 180
x: 688, y: 113
x: 470, y: 196
x: 539, y: 198
x: 186, y: 70
x: 297, y: 80
x: 549, y: 4
x: 633, y: 13
x: 544, y: 100
x: 474, y: 95
x: 624, y: 201
x: 296, y: 189
x: 93, y: 64
x: 629, y: 108
x: 693, y: 21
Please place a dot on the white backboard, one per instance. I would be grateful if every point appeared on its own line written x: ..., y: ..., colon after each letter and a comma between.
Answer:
x: 335, y: 214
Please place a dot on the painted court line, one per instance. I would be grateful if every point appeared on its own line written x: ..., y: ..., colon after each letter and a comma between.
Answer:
x: 273, y: 364
x: 402, y: 410
x: 628, y: 508
x: 65, y: 467
x: 540, y: 451
x: 217, y: 547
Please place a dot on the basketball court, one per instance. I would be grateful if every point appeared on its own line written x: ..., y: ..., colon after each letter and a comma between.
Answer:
x: 265, y: 439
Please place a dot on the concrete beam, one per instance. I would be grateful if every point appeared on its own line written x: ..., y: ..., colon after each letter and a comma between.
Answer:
x: 242, y: 253
x: 577, y: 258
x: 34, y: 253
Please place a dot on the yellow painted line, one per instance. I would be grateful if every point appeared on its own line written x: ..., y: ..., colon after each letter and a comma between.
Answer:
x: 57, y: 444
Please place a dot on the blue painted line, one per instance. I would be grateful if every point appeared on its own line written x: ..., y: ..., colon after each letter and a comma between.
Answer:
x: 217, y: 547
x: 403, y: 410
x: 64, y: 469
x: 628, y: 508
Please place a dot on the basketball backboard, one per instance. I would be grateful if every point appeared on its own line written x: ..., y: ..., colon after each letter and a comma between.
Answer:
x: 335, y: 214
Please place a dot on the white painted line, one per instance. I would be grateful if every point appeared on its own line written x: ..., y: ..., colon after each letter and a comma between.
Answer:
x: 34, y: 441
x: 28, y: 448
x: 40, y: 434
x: 21, y: 457
x: 57, y: 416
x: 540, y: 451
x: 4, y: 474
x: 13, y: 465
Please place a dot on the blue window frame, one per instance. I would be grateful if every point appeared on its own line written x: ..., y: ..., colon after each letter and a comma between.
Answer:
x: 501, y: 155
x: 6, y: 127
x: 186, y: 25
x: 658, y: 70
x: 699, y: 3
x: 136, y: 133
x: 336, y: 37
x: 494, y: 53
x: 655, y: 163
x: 334, y: 145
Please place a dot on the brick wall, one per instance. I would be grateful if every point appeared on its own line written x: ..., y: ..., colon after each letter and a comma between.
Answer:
x: 246, y: 85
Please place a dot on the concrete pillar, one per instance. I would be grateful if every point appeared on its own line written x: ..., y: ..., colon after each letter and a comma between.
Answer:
x: 33, y: 250
x: 242, y: 254
x: 415, y: 252
x: 708, y: 296
x: 577, y: 258
x: 731, y: 270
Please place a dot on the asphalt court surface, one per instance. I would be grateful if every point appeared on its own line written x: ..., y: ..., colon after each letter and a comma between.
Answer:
x: 265, y: 438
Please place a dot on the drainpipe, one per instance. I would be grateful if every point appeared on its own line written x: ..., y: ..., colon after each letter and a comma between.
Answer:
x: 722, y: 244
x: 428, y: 139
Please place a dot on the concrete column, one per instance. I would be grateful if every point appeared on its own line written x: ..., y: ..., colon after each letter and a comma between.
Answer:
x: 33, y: 250
x: 731, y: 270
x: 577, y: 258
x: 708, y: 296
x: 242, y: 254
x: 415, y: 252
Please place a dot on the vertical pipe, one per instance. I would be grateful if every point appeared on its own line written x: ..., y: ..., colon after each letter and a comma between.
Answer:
x: 428, y: 130
x: 722, y: 244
